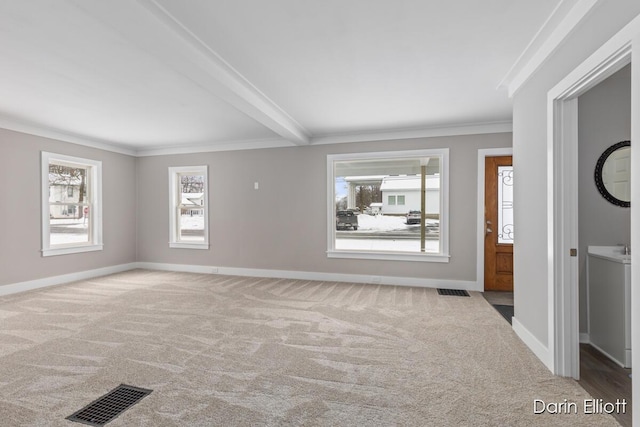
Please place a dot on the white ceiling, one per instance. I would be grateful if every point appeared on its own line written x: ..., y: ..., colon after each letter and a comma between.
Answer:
x: 153, y: 75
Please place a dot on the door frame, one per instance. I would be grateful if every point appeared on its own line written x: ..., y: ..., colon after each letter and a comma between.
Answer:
x: 562, y: 206
x: 483, y: 153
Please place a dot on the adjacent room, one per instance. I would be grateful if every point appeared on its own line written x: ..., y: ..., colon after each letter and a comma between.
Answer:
x: 329, y: 213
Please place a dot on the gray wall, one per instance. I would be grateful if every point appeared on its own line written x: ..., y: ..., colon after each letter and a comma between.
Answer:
x: 20, y: 257
x: 604, y: 118
x: 531, y: 273
x: 282, y: 226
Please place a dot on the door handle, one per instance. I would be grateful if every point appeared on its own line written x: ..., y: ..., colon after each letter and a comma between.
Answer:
x: 487, y: 230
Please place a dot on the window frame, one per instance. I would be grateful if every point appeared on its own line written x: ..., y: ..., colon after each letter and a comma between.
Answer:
x: 94, y: 202
x: 175, y: 201
x: 440, y: 257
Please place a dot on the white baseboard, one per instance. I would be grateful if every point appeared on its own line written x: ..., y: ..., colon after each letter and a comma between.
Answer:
x: 308, y: 275
x: 249, y: 272
x: 65, y: 278
x: 539, y: 349
x: 584, y: 338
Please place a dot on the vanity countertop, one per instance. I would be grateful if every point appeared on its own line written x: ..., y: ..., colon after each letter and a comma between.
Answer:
x: 611, y: 253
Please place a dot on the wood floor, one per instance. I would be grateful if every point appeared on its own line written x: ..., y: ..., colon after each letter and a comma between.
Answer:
x: 604, y: 379
x: 599, y: 376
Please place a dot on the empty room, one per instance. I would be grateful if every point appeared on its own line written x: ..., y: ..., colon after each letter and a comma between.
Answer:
x: 331, y: 213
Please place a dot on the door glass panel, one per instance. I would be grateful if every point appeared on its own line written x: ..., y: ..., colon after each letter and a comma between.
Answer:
x: 505, y: 204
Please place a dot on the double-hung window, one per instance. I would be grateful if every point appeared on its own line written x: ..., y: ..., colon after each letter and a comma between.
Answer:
x: 400, y: 200
x: 188, y: 207
x: 71, y: 204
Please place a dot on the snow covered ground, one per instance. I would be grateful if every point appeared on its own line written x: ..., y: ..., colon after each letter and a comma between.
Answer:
x: 69, y: 222
x: 69, y: 230
x: 192, y: 228
x: 65, y: 231
x: 188, y: 222
x: 400, y: 245
x: 386, y: 223
x: 382, y: 224
x: 66, y: 238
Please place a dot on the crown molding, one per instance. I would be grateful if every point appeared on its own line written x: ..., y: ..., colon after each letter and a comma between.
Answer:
x: 21, y: 126
x: 560, y: 24
x: 251, y: 144
x: 386, y: 135
x: 426, y: 132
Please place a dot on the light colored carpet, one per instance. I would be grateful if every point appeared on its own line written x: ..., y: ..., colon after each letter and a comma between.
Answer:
x: 220, y: 350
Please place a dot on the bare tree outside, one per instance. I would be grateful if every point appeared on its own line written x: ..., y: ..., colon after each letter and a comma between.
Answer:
x: 192, y: 183
x: 367, y: 194
x: 67, y: 176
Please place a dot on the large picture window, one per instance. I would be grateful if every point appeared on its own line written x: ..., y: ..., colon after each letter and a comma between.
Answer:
x: 188, y: 207
x: 389, y: 205
x: 71, y: 204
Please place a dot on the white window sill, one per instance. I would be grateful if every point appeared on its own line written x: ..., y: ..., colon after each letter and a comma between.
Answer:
x: 183, y: 245
x: 71, y: 250
x: 389, y: 256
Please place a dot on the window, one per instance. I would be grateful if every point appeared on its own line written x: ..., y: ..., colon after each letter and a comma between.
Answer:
x: 71, y: 204
x: 188, y: 207
x: 380, y: 190
x: 505, y: 204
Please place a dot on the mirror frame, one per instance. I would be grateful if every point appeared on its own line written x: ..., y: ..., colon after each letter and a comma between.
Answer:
x: 598, y: 175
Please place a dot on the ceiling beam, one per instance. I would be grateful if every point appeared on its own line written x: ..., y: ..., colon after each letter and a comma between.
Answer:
x: 150, y: 27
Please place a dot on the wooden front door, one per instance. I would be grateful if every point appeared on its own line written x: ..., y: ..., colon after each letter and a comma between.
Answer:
x: 498, y: 216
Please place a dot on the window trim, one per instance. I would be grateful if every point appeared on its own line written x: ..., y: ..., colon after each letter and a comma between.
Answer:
x: 174, y: 193
x: 440, y: 257
x: 94, y: 194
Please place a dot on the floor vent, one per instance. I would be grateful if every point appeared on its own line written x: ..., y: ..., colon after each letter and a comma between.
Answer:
x: 453, y: 292
x: 109, y: 406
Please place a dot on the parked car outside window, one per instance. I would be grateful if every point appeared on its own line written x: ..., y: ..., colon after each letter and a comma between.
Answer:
x: 413, y: 217
x: 347, y: 219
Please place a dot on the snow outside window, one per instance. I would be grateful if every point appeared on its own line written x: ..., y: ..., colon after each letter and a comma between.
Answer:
x: 71, y: 204
x: 188, y: 207
x: 375, y: 203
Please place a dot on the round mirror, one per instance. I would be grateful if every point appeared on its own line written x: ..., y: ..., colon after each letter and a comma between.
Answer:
x: 612, y: 174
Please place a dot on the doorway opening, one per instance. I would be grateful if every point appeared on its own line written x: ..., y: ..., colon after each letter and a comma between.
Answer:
x: 603, y: 217
x: 563, y: 185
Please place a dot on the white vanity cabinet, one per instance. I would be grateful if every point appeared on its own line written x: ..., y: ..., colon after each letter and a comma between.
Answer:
x: 609, y: 293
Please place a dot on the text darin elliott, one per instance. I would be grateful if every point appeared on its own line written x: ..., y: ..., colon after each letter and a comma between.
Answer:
x: 589, y: 406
